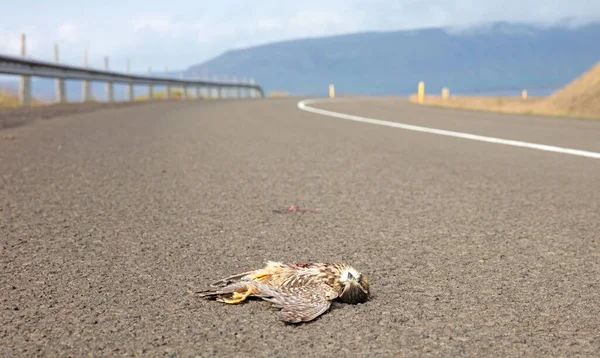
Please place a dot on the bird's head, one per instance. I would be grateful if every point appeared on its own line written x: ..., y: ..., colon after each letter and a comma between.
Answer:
x: 355, y: 288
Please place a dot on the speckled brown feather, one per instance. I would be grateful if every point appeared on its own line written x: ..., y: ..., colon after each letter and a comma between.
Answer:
x: 301, y: 291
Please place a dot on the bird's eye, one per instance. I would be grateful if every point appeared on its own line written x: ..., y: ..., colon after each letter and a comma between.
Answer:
x: 350, y: 277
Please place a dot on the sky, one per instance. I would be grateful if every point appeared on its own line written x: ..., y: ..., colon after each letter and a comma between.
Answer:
x: 176, y: 34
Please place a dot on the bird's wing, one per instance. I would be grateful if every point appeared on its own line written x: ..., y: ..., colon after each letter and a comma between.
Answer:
x: 303, y: 311
x: 299, y: 303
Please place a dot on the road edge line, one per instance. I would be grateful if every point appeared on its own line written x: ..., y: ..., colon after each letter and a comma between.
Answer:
x: 303, y: 105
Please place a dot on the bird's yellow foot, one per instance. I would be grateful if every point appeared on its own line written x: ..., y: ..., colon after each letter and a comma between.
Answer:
x: 238, y: 296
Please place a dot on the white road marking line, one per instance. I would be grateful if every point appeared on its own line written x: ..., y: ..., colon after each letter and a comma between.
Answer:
x: 303, y: 105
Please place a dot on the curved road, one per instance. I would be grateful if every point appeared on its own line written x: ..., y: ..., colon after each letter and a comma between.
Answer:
x: 109, y: 219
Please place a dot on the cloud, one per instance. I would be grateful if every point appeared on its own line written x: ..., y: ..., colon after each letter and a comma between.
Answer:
x: 179, y: 33
x: 10, y: 42
x: 160, y: 24
x: 67, y: 32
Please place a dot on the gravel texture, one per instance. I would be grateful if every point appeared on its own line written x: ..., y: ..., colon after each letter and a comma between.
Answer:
x: 109, y: 219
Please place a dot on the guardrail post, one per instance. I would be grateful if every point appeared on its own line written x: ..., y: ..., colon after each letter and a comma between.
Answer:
x: 185, y: 89
x: 234, y: 89
x: 85, y: 85
x: 150, y: 88
x: 524, y: 94
x: 245, y: 90
x: 217, y: 88
x: 60, y: 82
x: 109, y: 84
x: 331, y: 91
x: 25, y: 81
x: 195, y: 77
x: 237, y: 87
x: 167, y: 87
x: 200, y: 89
x: 252, y: 90
x: 130, y: 95
x: 206, y: 89
x: 226, y: 90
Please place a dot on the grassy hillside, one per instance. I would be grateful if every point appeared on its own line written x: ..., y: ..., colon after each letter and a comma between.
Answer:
x: 579, y: 98
x: 499, y: 56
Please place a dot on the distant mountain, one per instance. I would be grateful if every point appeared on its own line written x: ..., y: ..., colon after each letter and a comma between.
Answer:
x: 498, y: 57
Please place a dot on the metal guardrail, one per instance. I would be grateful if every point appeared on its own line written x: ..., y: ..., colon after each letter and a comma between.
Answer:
x: 27, y: 68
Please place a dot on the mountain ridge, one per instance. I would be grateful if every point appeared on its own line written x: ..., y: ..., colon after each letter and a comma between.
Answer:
x: 504, y: 54
x: 496, y: 58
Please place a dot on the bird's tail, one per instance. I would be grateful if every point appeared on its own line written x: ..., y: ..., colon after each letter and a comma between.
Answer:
x: 231, y: 279
x: 233, y: 293
x: 255, y: 275
x: 237, y: 292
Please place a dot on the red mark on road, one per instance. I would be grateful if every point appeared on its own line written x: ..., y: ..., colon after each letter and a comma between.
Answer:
x: 295, y: 210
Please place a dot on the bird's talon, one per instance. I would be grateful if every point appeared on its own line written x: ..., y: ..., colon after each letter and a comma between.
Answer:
x: 236, y: 298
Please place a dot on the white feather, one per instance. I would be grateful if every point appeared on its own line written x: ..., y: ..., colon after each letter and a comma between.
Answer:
x: 346, y: 273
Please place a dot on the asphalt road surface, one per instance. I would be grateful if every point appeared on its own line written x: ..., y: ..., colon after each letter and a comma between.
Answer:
x: 109, y: 219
